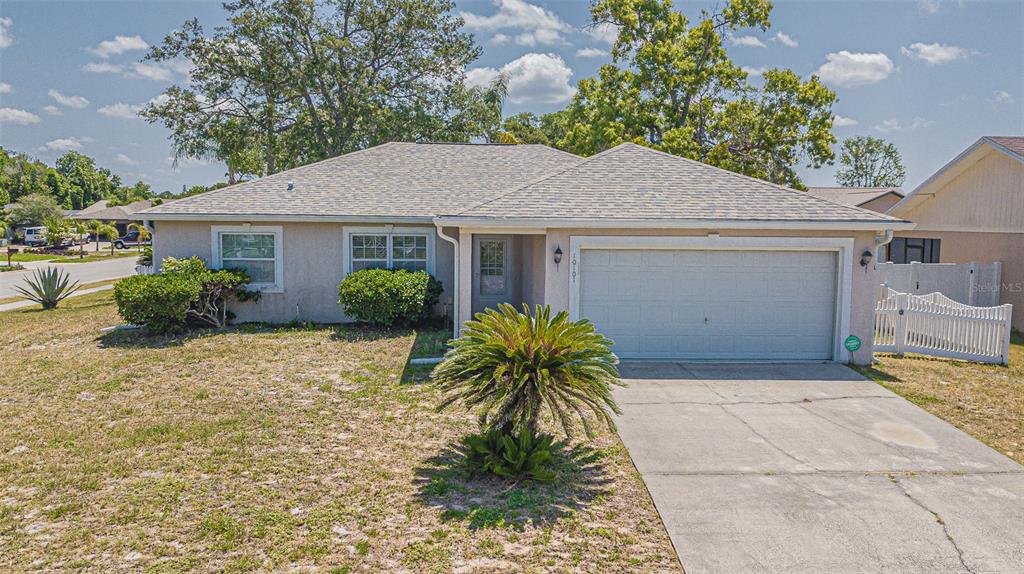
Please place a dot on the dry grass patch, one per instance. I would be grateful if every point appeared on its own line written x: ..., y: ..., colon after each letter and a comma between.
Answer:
x: 985, y: 401
x: 265, y: 448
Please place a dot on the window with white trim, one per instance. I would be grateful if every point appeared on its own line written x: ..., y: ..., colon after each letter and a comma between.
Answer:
x: 383, y: 251
x: 255, y: 250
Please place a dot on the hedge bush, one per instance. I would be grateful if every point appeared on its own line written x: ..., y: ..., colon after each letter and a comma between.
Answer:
x: 388, y: 297
x: 184, y: 293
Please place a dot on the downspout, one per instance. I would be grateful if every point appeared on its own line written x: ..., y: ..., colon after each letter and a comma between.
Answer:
x: 455, y: 294
x: 882, y: 241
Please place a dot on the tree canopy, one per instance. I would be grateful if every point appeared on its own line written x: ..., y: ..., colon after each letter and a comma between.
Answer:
x: 870, y: 162
x: 672, y: 86
x: 288, y: 82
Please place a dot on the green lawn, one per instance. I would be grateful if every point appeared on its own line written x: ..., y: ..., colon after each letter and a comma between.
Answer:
x: 277, y: 448
x: 24, y: 257
x: 103, y: 255
x: 985, y: 401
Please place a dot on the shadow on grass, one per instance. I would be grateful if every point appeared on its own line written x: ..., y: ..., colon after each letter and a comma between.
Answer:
x: 491, y: 502
x: 429, y: 343
x: 877, y: 375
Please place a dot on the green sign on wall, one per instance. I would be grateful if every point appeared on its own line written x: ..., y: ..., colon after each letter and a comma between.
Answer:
x: 852, y: 343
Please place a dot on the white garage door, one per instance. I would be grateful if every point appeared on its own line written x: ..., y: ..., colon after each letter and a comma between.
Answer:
x: 728, y: 305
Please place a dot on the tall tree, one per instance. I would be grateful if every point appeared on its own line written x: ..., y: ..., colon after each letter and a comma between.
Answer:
x: 301, y: 80
x: 870, y: 162
x: 672, y: 86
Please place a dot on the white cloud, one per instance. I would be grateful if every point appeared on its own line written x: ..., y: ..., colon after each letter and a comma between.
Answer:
x: 119, y: 45
x: 17, y: 117
x: 748, y: 41
x: 532, y: 79
x: 152, y: 71
x: 5, y: 32
x: 929, y: 6
x: 1001, y: 97
x: 5, y: 88
x: 500, y: 39
x: 120, y: 110
x: 894, y: 125
x: 103, y: 68
x: 756, y: 72
x: 62, y: 144
x: 785, y: 39
x: 839, y: 121
x: 537, y: 24
x: 77, y: 102
x: 121, y: 158
x: 604, y: 32
x: 591, y: 53
x: 934, y: 54
x: 53, y: 110
x: 851, y: 69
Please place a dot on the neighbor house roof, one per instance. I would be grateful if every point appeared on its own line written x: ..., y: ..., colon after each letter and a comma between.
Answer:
x: 1010, y: 146
x: 394, y: 181
x: 100, y: 210
x: 632, y: 183
x: 856, y: 196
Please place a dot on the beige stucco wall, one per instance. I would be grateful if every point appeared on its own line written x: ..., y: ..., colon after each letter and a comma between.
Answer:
x: 863, y: 281
x: 988, y: 197
x: 1007, y: 248
x: 312, y: 267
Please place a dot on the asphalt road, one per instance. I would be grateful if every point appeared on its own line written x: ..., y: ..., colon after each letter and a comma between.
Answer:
x: 81, y: 272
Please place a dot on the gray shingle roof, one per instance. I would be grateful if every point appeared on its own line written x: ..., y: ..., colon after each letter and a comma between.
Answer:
x: 853, y: 195
x: 632, y: 182
x: 401, y: 180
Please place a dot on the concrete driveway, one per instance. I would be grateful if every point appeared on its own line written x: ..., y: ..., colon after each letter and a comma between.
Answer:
x: 811, y: 468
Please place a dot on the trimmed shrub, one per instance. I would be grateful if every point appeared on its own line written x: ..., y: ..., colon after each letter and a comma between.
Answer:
x: 184, y: 293
x: 388, y: 297
x: 160, y: 302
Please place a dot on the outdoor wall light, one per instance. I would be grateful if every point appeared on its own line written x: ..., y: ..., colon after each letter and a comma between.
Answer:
x: 866, y: 257
x: 558, y: 256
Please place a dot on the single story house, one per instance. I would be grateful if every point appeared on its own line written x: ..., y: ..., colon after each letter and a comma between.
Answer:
x: 120, y: 216
x: 670, y: 258
x: 972, y: 209
x: 878, y: 199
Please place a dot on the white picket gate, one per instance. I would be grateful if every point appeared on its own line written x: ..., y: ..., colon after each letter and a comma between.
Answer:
x: 936, y: 325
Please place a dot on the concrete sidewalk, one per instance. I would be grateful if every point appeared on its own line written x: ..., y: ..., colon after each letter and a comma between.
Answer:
x: 811, y: 468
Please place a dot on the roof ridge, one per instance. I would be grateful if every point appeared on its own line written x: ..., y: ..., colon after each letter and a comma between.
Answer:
x: 760, y: 181
x: 582, y: 161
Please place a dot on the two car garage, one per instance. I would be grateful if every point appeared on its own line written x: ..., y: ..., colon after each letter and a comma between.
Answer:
x: 658, y: 301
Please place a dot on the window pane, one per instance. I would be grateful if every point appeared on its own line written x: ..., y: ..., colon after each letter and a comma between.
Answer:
x: 259, y: 271
x: 409, y: 247
x: 357, y: 265
x: 410, y: 265
x: 492, y: 267
x: 247, y: 246
x: 370, y: 247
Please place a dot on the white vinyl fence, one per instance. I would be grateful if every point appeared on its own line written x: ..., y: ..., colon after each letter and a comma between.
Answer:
x: 936, y: 325
x: 968, y: 283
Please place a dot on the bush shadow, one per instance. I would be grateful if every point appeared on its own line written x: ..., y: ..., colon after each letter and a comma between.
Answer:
x: 485, y: 501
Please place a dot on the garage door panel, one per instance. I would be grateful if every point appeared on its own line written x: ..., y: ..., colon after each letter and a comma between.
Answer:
x: 691, y: 304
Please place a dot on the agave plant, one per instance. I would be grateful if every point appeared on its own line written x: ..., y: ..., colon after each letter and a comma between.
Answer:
x: 512, y: 366
x: 48, y: 287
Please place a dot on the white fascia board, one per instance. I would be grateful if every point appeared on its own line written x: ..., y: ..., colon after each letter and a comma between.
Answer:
x: 424, y: 220
x: 478, y: 222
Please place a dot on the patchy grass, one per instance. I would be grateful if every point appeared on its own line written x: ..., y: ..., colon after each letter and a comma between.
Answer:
x: 986, y: 401
x: 93, y: 256
x: 277, y: 448
x: 22, y: 257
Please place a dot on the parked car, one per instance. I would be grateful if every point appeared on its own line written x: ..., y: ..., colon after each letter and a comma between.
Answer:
x: 130, y: 239
x: 35, y: 236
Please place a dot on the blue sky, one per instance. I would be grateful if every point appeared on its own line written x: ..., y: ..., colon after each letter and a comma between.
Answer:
x: 930, y: 76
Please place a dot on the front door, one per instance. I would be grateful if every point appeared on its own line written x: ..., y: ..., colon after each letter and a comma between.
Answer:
x: 491, y: 282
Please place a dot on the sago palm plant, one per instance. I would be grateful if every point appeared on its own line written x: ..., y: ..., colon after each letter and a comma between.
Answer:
x: 48, y: 287
x: 512, y: 366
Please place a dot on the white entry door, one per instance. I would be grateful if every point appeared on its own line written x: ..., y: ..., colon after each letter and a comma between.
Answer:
x: 714, y: 305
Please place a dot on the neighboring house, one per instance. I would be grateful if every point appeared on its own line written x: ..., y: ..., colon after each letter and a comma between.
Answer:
x: 120, y: 216
x: 669, y: 257
x: 878, y: 199
x: 972, y: 209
